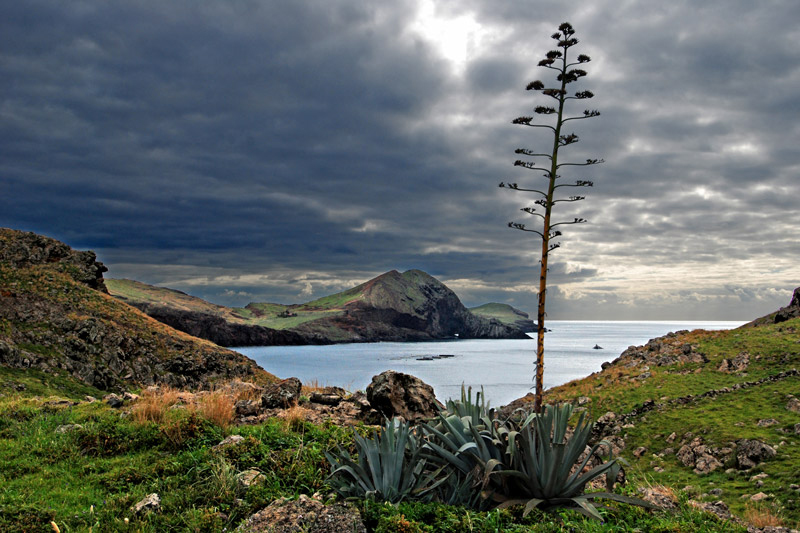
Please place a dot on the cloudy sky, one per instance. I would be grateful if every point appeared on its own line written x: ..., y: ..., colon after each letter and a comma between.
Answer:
x: 272, y: 150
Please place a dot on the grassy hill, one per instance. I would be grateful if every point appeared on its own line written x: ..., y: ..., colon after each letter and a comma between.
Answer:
x: 717, y: 389
x: 505, y: 314
x: 393, y: 306
x: 57, y: 319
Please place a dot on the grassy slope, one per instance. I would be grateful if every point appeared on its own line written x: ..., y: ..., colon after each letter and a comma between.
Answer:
x: 719, y: 421
x: 502, y: 312
x: 58, y: 293
x: 87, y: 479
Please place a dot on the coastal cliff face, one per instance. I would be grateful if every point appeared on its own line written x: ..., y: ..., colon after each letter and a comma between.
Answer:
x: 415, y: 306
x: 412, y: 306
x: 219, y: 330
x: 55, y: 316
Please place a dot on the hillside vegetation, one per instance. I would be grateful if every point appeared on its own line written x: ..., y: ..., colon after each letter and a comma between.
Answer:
x: 408, y: 306
x: 55, y: 316
x: 684, y: 406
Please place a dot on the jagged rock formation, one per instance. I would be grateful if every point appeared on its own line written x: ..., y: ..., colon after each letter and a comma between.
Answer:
x: 781, y: 315
x: 20, y: 249
x: 55, y: 316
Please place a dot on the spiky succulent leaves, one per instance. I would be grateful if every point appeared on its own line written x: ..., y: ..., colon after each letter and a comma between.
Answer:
x: 545, y: 469
x: 387, y: 467
x: 477, y: 410
x: 470, y: 452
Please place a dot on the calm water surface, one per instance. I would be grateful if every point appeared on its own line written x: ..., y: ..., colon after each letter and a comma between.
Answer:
x: 504, y: 367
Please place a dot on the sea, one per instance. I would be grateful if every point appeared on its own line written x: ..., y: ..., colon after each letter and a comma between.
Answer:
x: 504, y: 368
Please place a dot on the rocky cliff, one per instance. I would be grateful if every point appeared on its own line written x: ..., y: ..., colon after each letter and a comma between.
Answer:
x: 56, y: 316
x: 507, y: 315
x: 412, y: 306
x: 781, y: 315
x: 219, y: 330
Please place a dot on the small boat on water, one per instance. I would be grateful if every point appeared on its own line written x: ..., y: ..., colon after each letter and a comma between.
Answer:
x: 597, y: 347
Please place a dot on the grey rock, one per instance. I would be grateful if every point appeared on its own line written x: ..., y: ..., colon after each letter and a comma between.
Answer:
x: 150, y: 503
x: 68, y: 428
x: 718, y: 508
x: 396, y: 394
x: 767, y: 422
x: 793, y: 405
x: 304, y: 514
x: 751, y: 452
x: 113, y: 400
x: 282, y: 394
x: 247, y: 407
x: 232, y: 440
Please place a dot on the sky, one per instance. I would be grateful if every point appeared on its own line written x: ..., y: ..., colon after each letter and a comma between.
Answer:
x: 280, y: 151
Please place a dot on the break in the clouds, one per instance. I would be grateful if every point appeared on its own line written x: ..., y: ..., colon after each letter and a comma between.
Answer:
x: 283, y: 150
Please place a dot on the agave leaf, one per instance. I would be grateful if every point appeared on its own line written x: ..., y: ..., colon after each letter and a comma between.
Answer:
x: 622, y: 499
x: 510, y: 503
x: 587, y: 508
x: 532, y: 504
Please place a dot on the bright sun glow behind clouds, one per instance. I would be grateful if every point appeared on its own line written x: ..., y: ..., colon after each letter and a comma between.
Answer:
x: 455, y: 38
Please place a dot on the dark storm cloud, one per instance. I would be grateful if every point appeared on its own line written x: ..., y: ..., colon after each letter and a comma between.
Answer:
x: 270, y: 150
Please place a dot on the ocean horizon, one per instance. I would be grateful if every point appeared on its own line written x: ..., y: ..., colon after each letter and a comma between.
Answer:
x: 504, y: 368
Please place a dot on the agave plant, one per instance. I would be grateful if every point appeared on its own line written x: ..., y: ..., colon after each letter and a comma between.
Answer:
x: 543, y: 471
x: 387, y: 467
x: 477, y: 410
x: 465, y: 453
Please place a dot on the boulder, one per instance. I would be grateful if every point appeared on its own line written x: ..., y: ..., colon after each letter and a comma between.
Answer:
x: 751, y: 452
x: 793, y: 405
x: 304, y: 514
x: 113, y: 400
x: 231, y: 440
x: 659, y: 495
x: 247, y: 407
x: 281, y: 394
x: 735, y: 365
x: 396, y: 394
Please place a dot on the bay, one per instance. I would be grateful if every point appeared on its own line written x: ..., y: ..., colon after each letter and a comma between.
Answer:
x: 503, y: 367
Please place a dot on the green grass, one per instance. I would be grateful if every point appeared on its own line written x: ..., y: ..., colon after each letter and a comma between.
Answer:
x: 720, y: 421
x: 87, y: 479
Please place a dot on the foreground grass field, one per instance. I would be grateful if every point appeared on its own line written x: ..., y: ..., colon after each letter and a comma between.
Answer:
x: 82, y: 465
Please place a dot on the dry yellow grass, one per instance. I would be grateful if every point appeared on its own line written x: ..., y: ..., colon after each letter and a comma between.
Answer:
x: 295, y: 416
x: 311, y: 387
x: 761, y: 516
x: 218, y: 407
x: 154, y: 403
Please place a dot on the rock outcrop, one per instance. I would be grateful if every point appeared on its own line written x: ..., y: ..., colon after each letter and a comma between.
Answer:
x: 396, y: 394
x: 781, y: 315
x: 21, y: 249
x: 56, y: 317
x: 412, y: 306
x: 220, y: 331
x: 304, y: 514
